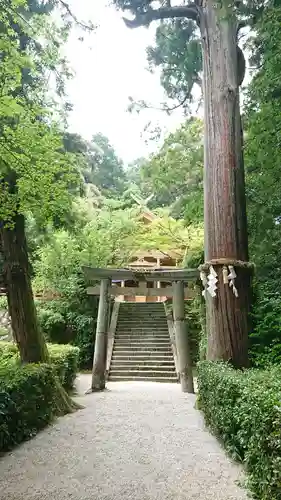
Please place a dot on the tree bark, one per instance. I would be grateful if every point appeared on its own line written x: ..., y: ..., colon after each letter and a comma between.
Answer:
x: 184, y: 362
x: 224, y: 186
x: 99, y: 363
x: 26, y: 331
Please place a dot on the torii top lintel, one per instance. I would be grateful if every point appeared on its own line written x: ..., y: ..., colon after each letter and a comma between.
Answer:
x: 177, y: 274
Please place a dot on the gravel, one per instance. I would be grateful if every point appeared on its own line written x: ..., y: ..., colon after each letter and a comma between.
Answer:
x: 141, y: 441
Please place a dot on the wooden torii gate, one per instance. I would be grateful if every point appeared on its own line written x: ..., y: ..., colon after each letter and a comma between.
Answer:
x: 178, y: 277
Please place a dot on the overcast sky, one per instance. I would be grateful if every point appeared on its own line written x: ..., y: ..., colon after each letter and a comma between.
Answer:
x: 110, y: 65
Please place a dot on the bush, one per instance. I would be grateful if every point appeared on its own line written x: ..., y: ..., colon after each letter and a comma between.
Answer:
x: 53, y: 325
x: 65, y: 360
x: 71, y: 320
x: 63, y: 357
x: 244, y: 410
x: 265, y: 344
x: 26, y: 401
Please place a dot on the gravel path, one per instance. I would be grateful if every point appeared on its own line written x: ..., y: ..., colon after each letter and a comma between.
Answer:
x: 140, y: 441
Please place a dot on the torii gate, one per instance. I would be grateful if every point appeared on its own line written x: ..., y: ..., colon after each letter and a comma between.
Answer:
x: 178, y: 277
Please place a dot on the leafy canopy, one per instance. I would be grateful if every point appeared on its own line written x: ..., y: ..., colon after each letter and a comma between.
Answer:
x: 36, y: 173
x: 175, y: 174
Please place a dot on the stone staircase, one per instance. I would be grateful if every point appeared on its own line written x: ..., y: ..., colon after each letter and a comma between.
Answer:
x: 142, y: 349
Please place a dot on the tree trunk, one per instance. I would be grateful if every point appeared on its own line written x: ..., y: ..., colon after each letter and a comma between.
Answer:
x: 26, y: 331
x: 224, y: 186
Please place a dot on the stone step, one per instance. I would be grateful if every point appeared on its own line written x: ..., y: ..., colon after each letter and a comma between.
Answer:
x: 146, y: 366
x: 137, y: 319
x: 142, y: 324
x: 145, y: 322
x: 142, y: 305
x: 139, y: 358
x: 145, y: 347
x: 143, y: 313
x: 145, y: 363
x: 133, y: 343
x: 142, y: 373
x: 145, y: 333
x: 144, y: 329
x: 122, y: 378
x: 140, y: 349
x: 144, y: 319
x: 138, y: 336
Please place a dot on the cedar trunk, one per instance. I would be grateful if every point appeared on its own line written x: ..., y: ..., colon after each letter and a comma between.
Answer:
x: 224, y: 185
x: 21, y: 305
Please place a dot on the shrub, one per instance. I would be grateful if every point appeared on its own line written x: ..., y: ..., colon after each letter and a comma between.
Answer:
x: 26, y: 401
x: 265, y: 344
x: 71, y: 320
x: 63, y: 357
x: 244, y: 410
x: 53, y: 325
x: 65, y: 360
x: 8, y: 351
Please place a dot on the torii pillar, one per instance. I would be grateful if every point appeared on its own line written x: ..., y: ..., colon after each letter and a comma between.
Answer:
x: 99, y: 363
x: 182, y: 340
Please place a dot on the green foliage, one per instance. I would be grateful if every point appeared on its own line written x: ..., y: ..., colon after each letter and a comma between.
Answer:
x: 71, y: 319
x: 101, y: 168
x: 265, y: 338
x: 64, y: 358
x: 177, y: 52
x: 52, y: 324
x: 243, y: 409
x: 36, y: 174
x: 262, y: 160
x: 193, y: 314
x: 175, y: 174
x: 107, y: 239
x: 99, y: 238
x: 26, y: 401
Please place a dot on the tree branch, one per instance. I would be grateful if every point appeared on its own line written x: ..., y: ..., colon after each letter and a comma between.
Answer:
x: 88, y: 27
x: 144, y: 19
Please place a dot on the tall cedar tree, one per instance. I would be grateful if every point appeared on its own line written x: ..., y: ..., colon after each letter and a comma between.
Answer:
x: 35, y: 173
x: 218, y: 23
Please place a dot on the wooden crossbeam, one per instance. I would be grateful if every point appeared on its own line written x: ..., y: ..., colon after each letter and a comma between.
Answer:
x: 145, y: 292
x: 95, y: 274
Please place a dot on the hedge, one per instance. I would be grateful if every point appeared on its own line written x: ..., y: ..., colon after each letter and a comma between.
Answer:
x: 244, y: 410
x: 63, y: 357
x: 26, y: 401
x: 65, y: 360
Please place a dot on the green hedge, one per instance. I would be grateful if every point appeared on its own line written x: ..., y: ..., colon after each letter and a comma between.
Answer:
x: 63, y: 357
x: 244, y: 410
x: 26, y: 401
x: 65, y: 360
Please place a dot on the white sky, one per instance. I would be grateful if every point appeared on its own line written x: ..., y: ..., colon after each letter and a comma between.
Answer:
x: 110, y: 65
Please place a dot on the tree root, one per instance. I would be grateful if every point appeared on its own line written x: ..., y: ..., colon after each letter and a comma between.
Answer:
x: 63, y: 403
